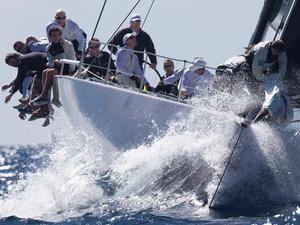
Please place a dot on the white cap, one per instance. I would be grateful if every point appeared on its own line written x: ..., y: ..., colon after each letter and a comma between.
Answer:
x: 198, y: 63
x: 135, y: 17
x: 126, y: 36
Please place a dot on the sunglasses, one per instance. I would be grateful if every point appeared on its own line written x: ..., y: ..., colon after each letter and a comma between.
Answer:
x: 132, y: 37
x: 94, y: 46
x: 60, y: 18
x: 170, y: 65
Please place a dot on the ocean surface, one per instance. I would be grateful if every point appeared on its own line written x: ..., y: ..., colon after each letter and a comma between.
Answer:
x: 77, y: 179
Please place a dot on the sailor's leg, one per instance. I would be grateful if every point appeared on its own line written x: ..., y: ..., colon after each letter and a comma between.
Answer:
x: 55, y: 100
x: 48, y: 82
x: 36, y: 88
x: 26, y: 83
x: 44, y: 76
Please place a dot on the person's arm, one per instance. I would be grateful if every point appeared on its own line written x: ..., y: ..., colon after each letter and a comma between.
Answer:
x: 50, y: 58
x: 78, y: 34
x: 173, y: 78
x: 258, y: 62
x: 150, y: 49
x: 22, y: 71
x: 70, y: 54
x: 6, y: 86
x: 38, y: 46
x: 185, y: 86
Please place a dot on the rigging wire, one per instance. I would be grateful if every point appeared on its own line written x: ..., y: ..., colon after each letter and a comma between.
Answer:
x: 227, y: 164
x: 135, y: 5
x: 96, y: 26
x: 146, y: 17
x: 100, y: 15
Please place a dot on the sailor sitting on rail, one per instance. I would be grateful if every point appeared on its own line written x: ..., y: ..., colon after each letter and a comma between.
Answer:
x: 28, y: 65
x: 32, y: 45
x: 196, y: 76
x: 70, y: 31
x: 128, y: 67
x: 97, y: 61
x: 58, y: 48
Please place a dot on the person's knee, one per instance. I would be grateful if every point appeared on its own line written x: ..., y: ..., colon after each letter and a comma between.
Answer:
x: 52, y: 72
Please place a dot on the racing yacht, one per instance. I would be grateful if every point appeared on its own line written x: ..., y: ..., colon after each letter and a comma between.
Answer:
x: 129, y: 117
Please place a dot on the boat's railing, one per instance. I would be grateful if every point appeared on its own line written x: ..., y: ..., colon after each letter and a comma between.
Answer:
x: 107, y: 82
x: 84, y: 67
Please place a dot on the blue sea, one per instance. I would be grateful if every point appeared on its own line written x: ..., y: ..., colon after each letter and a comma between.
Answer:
x: 18, y: 161
x: 79, y: 178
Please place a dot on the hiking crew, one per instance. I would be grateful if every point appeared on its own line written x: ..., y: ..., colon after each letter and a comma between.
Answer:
x: 58, y: 48
x: 31, y: 45
x: 144, y: 41
x: 70, y: 31
x: 28, y: 65
x: 264, y: 64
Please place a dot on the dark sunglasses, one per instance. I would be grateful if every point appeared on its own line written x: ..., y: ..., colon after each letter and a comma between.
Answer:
x: 60, y: 18
x: 170, y: 65
x: 132, y: 37
x: 94, y: 46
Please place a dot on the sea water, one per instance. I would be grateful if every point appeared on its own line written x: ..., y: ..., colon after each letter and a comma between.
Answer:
x: 79, y: 178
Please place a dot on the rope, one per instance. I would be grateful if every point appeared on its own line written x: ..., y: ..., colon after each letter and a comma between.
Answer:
x: 121, y: 24
x: 146, y: 17
x: 227, y: 164
x: 100, y: 15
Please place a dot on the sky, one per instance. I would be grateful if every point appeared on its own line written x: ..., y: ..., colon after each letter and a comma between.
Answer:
x: 212, y: 29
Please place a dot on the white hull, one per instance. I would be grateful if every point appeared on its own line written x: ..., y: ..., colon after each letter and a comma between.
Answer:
x: 125, y: 118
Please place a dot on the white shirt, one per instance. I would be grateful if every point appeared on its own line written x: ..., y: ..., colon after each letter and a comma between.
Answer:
x: 70, y: 32
x: 127, y: 63
x: 192, y: 80
x: 172, y: 79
